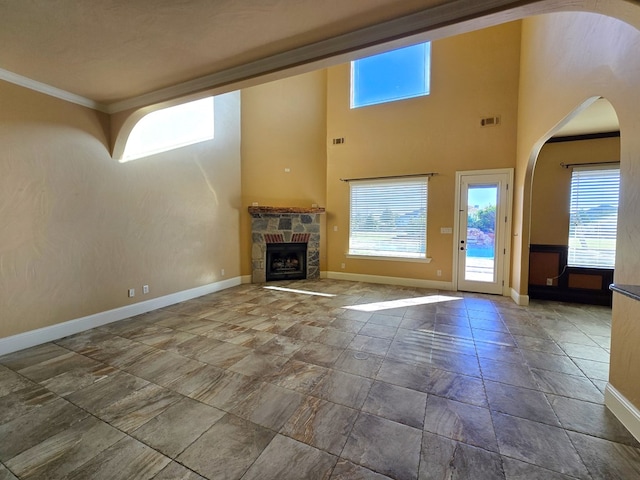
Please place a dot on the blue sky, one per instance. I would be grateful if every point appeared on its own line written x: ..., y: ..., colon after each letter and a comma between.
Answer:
x: 483, y: 196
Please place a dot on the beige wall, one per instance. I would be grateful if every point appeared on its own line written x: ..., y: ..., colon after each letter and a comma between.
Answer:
x: 77, y: 229
x: 283, y: 127
x: 551, y: 189
x: 568, y: 58
x: 472, y: 75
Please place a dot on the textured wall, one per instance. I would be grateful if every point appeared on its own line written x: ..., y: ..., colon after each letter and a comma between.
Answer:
x: 472, y: 75
x: 77, y: 229
x: 568, y: 58
x: 283, y: 127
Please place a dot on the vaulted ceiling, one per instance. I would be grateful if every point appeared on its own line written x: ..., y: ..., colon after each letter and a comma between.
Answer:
x: 109, y: 51
x: 119, y: 54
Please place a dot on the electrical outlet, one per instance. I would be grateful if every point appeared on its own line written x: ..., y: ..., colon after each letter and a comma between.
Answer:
x: 335, y: 228
x: 342, y: 265
x: 132, y: 292
x: 145, y: 289
x: 550, y: 282
x: 439, y: 273
x: 222, y: 272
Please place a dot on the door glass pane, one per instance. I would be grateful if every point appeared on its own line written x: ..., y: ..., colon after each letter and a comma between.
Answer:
x: 481, y: 226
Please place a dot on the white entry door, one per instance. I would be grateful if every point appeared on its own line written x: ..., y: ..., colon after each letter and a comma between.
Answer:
x: 483, y: 219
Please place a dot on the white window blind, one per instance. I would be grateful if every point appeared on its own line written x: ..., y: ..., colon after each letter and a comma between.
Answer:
x: 593, y: 217
x: 389, y: 218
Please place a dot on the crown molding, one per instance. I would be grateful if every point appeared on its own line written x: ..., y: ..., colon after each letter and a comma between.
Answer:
x: 31, y: 84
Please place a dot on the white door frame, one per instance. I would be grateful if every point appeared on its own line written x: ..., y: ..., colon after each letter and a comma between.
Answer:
x: 506, y: 264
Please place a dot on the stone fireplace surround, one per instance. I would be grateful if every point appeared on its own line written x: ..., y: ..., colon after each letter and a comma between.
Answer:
x: 284, y: 225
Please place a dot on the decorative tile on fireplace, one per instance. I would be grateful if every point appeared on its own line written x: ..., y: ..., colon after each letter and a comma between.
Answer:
x: 286, y: 225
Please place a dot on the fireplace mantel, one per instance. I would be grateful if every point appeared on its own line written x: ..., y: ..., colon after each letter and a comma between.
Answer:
x: 257, y: 210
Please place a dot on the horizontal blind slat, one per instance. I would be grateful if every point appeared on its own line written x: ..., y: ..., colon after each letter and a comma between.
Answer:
x: 593, y: 217
x: 388, y: 218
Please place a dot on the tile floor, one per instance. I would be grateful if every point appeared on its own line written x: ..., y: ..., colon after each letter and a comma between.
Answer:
x: 338, y: 380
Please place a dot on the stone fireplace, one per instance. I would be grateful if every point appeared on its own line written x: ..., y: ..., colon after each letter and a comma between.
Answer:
x: 285, y: 243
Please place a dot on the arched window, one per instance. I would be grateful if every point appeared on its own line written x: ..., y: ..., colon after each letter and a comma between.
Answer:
x: 170, y: 128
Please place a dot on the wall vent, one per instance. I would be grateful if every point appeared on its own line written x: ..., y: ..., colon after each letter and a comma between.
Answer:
x: 490, y: 121
x: 338, y: 141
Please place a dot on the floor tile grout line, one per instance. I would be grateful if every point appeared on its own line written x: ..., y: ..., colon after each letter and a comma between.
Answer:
x: 372, y: 378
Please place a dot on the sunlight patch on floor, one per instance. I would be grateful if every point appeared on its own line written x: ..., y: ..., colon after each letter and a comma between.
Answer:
x: 403, y: 302
x: 304, y: 292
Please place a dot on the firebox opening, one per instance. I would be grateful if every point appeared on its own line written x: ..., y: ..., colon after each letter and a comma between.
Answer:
x: 286, y: 261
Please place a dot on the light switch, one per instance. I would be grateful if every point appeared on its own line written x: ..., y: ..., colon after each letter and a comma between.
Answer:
x: 446, y: 230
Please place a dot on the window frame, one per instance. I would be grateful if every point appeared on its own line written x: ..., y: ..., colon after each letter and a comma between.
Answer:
x: 389, y: 97
x: 402, y: 256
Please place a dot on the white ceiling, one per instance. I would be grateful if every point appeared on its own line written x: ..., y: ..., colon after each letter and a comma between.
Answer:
x: 599, y: 117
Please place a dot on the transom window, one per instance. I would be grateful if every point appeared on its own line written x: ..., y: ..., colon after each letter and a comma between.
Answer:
x: 170, y: 128
x: 388, y: 218
x: 593, y: 217
x: 390, y: 76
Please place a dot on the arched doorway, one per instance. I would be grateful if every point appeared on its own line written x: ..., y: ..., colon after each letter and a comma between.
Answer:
x: 574, y: 203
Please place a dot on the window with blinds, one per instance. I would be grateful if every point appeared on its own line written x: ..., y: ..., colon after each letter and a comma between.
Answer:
x: 593, y: 217
x: 388, y: 218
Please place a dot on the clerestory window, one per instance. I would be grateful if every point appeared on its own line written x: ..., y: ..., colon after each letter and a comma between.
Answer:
x: 170, y: 128
x: 390, y: 76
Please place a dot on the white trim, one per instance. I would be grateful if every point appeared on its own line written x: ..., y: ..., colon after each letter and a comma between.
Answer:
x: 60, y: 330
x: 25, y: 82
x: 390, y: 259
x: 404, y: 282
x: 623, y: 409
x: 522, y: 300
x: 506, y: 236
x: 246, y: 279
x: 323, y: 274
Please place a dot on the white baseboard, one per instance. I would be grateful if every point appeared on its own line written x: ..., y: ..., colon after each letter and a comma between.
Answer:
x: 60, y: 330
x: 623, y: 409
x: 522, y: 300
x: 404, y: 282
x: 247, y: 278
